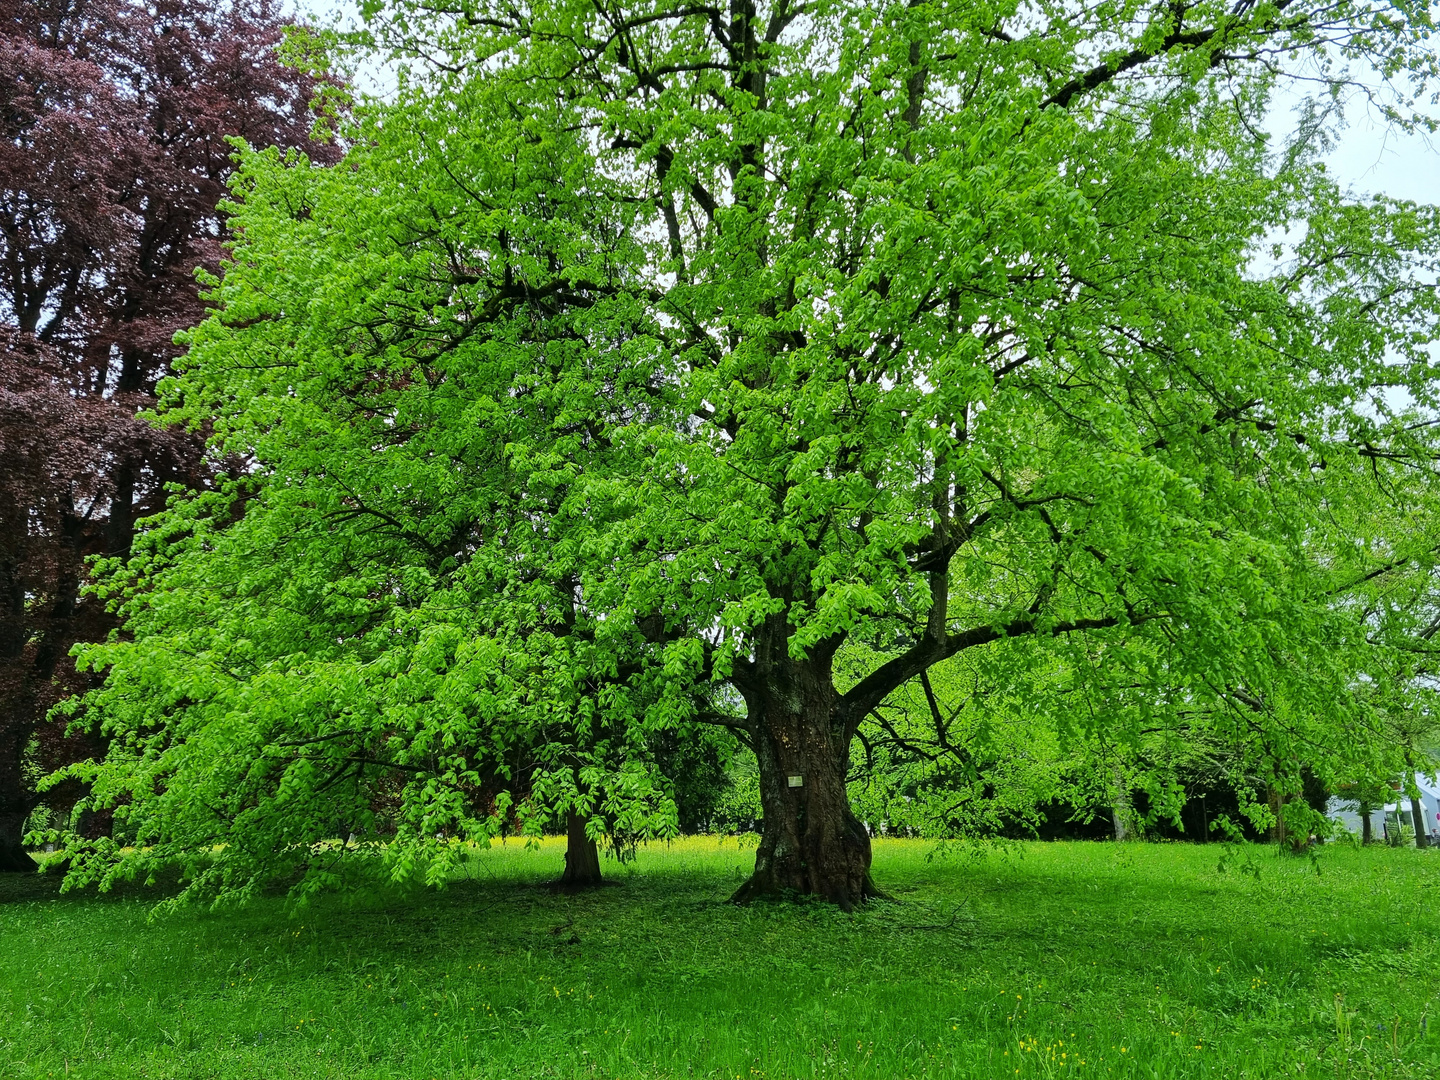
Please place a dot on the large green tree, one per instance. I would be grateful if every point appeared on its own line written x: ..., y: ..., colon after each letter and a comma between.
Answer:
x: 641, y: 346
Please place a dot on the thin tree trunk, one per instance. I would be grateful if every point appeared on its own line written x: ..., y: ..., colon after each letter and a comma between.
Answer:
x: 1277, y: 808
x: 1117, y: 821
x: 120, y: 529
x: 582, y: 858
x: 1120, y: 808
x: 1367, y: 831
x: 1417, y: 814
x: 810, y: 840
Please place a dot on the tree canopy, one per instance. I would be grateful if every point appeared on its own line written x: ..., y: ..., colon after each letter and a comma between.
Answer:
x: 786, y: 350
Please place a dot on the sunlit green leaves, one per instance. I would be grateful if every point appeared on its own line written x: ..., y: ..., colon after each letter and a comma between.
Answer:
x: 632, y: 349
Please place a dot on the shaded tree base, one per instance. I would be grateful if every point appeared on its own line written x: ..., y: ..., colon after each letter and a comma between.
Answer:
x: 582, y: 860
x: 763, y: 887
x: 570, y: 888
x: 14, y: 859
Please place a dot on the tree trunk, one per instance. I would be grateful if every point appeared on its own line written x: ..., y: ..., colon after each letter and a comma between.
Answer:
x: 1120, y: 809
x: 15, y: 802
x: 810, y: 841
x: 1417, y: 815
x: 582, y: 858
x: 13, y: 857
x: 25, y: 681
x: 1277, y: 808
x: 120, y: 529
x: 1117, y: 822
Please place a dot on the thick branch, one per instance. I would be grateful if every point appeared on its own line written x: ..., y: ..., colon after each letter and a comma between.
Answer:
x: 890, y: 676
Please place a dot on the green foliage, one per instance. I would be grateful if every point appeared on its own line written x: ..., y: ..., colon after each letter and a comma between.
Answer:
x: 636, y: 364
x: 979, y: 763
x: 989, y: 968
x: 738, y: 809
x: 697, y: 764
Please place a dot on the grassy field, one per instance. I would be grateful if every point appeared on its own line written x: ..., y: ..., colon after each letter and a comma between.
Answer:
x: 1047, y: 960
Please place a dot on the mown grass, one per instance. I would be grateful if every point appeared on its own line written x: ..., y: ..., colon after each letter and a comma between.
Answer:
x: 1050, y: 960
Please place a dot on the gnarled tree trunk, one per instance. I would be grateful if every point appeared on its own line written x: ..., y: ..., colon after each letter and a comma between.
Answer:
x: 810, y: 841
x: 582, y: 858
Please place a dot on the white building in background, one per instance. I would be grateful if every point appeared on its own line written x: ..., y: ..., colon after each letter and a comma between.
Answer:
x: 1344, y: 810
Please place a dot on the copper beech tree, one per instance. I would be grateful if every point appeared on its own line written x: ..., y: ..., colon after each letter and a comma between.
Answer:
x: 115, y: 116
x: 787, y: 349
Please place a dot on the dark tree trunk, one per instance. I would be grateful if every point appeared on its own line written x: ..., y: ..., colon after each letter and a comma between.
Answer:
x: 582, y: 858
x: 1417, y: 815
x: 121, y: 527
x: 1367, y: 832
x: 16, y: 801
x: 24, y: 710
x: 15, y: 804
x: 15, y: 707
x: 13, y: 857
x: 810, y: 841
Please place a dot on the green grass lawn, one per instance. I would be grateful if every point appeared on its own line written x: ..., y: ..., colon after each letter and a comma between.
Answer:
x: 1130, y: 960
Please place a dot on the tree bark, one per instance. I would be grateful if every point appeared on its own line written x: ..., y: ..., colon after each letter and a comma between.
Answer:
x: 1120, y: 808
x: 811, y: 843
x: 582, y: 858
x: 14, y: 859
x: 1367, y: 832
x: 15, y: 802
x: 1417, y: 815
x: 1277, y: 808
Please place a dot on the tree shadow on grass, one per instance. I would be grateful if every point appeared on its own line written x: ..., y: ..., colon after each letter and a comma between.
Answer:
x: 28, y: 888
x: 46, y: 885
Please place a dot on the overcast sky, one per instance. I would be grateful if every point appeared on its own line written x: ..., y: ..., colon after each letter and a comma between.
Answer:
x: 1371, y: 158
